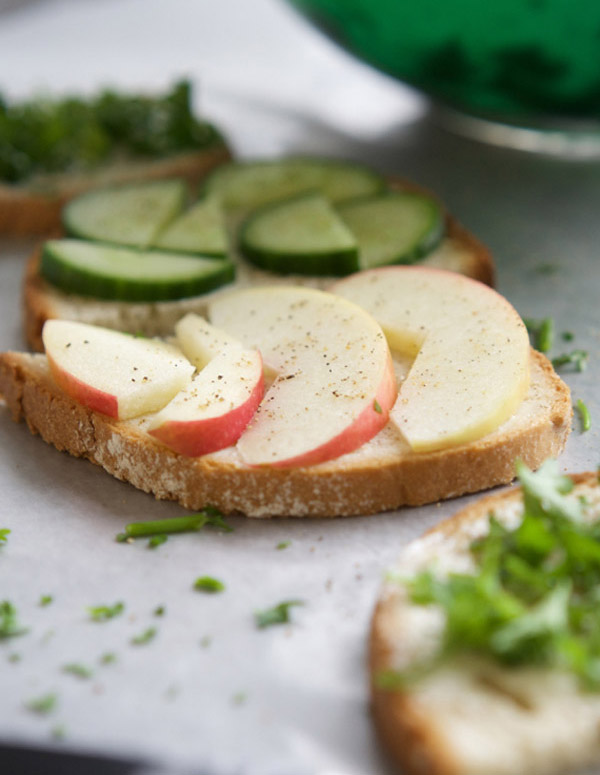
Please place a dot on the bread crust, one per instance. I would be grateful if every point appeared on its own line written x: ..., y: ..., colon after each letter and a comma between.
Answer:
x: 409, y: 730
x: 26, y: 210
x: 382, y: 475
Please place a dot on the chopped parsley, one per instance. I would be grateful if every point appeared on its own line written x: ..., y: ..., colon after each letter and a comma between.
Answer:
x: 102, y: 613
x: 541, y: 332
x: 377, y: 407
x: 45, y: 600
x: 9, y: 622
x: 4, y: 531
x: 144, y: 637
x: 283, y: 545
x: 74, y: 134
x: 208, y: 584
x: 109, y: 658
x: 78, y: 670
x: 42, y: 705
x: 278, y: 614
x: 584, y: 414
x: 576, y: 358
x: 208, y: 517
x: 533, y: 598
x: 159, y: 610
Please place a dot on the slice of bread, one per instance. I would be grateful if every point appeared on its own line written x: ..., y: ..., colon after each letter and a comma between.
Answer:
x: 382, y: 474
x: 34, y: 208
x: 472, y: 716
x: 460, y: 251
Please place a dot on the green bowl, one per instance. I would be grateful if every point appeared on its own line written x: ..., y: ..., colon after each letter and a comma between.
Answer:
x: 528, y: 63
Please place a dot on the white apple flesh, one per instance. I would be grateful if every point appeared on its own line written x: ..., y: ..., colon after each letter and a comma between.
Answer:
x: 471, y: 349
x: 214, y: 409
x: 335, y: 382
x: 114, y: 373
x: 200, y: 342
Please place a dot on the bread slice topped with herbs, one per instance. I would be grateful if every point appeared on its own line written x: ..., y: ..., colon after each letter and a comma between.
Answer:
x: 138, y: 257
x: 400, y: 386
x: 485, y: 642
x: 56, y: 148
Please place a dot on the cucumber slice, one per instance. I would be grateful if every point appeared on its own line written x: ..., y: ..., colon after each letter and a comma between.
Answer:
x: 201, y: 229
x: 132, y: 215
x: 303, y: 235
x: 124, y: 274
x: 247, y: 185
x: 395, y: 227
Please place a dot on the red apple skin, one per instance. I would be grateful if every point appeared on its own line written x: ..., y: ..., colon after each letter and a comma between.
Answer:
x: 367, y: 425
x: 196, y: 438
x: 83, y: 393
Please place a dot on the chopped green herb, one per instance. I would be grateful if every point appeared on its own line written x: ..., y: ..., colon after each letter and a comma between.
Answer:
x: 144, y: 637
x: 42, y: 705
x: 4, y: 531
x: 279, y: 614
x: 377, y: 406
x: 78, y: 670
x: 576, y: 358
x: 101, y: 613
x: 156, y: 541
x: 208, y: 584
x: 159, y: 610
x: 283, y: 545
x: 45, y: 600
x: 567, y: 336
x: 533, y: 598
x: 208, y: 517
x: 59, y: 732
x: 9, y: 624
x: 108, y: 659
x: 584, y: 413
x: 541, y: 332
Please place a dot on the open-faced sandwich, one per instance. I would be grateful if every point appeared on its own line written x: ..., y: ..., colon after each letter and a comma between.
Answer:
x: 485, y: 643
x: 56, y: 148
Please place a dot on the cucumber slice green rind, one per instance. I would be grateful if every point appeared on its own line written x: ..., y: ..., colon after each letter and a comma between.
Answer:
x: 200, y: 230
x: 124, y: 274
x: 132, y: 215
x: 302, y: 235
x: 394, y: 227
x: 244, y: 186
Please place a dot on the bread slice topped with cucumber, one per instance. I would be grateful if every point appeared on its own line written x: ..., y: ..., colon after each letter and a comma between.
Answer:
x: 286, y: 400
x: 138, y: 257
x: 484, y: 646
x: 55, y: 148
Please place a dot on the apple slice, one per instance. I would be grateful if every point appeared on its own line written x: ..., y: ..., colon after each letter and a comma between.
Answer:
x: 471, y: 369
x: 335, y: 382
x: 214, y: 409
x: 114, y: 373
x: 201, y: 342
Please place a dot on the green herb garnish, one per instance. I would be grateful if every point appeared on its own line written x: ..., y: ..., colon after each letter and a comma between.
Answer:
x: 156, y: 541
x: 144, y: 637
x: 42, y: 705
x: 77, y: 135
x: 101, y: 613
x: 576, y: 358
x: 208, y: 584
x: 108, y: 659
x: 283, y: 545
x: 279, y: 614
x: 45, y: 600
x: 208, y: 517
x: 9, y: 624
x: 567, y: 336
x: 4, y: 531
x: 542, y: 333
x: 377, y: 407
x: 534, y: 598
x: 584, y: 414
x: 159, y: 610
x: 78, y: 670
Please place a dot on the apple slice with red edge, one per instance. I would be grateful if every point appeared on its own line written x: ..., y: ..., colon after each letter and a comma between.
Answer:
x: 335, y: 382
x: 114, y: 373
x: 214, y: 409
x: 471, y: 349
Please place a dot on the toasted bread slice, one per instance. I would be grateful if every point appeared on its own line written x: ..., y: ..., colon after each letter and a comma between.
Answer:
x: 35, y: 209
x: 473, y: 716
x: 382, y: 474
x: 460, y: 251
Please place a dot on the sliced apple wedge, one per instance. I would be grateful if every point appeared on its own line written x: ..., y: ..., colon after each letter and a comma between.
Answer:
x: 201, y: 342
x: 214, y: 409
x: 335, y: 382
x: 471, y: 348
x: 113, y: 373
